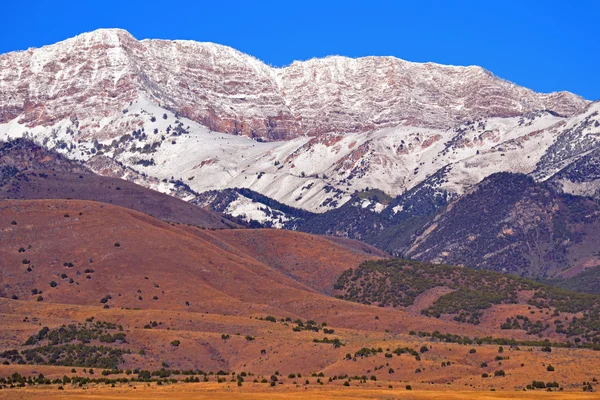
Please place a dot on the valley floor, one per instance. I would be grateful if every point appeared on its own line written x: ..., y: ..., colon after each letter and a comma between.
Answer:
x: 212, y: 391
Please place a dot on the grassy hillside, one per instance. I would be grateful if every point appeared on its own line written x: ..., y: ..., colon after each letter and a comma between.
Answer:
x: 398, y: 283
x: 94, y: 295
x: 28, y: 171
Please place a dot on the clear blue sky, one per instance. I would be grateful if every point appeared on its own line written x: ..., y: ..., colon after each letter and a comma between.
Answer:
x: 544, y: 45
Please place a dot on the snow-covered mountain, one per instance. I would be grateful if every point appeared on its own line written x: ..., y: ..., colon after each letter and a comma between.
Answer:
x: 186, y: 117
x: 94, y: 76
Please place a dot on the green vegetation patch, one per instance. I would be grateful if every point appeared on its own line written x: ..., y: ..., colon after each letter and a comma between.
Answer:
x: 398, y: 282
x: 69, y: 345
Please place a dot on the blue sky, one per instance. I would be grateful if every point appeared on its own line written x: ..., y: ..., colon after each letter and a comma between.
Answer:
x: 544, y: 45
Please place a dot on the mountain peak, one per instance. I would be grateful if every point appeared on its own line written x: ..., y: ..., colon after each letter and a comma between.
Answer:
x: 107, y: 33
x: 113, y: 37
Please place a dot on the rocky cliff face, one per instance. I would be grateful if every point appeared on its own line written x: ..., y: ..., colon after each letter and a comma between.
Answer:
x: 93, y: 77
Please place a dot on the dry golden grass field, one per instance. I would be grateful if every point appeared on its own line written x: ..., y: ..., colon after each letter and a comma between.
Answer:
x: 206, y: 392
x: 197, y: 300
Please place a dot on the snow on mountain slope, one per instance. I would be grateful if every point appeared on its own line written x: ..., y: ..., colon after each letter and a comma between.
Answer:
x: 572, y: 164
x: 342, y: 94
x: 184, y: 118
x: 167, y: 153
x: 514, y: 144
x: 94, y: 76
x: 579, y: 136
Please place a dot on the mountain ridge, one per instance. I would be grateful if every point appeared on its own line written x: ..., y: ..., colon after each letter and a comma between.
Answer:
x: 253, y: 99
